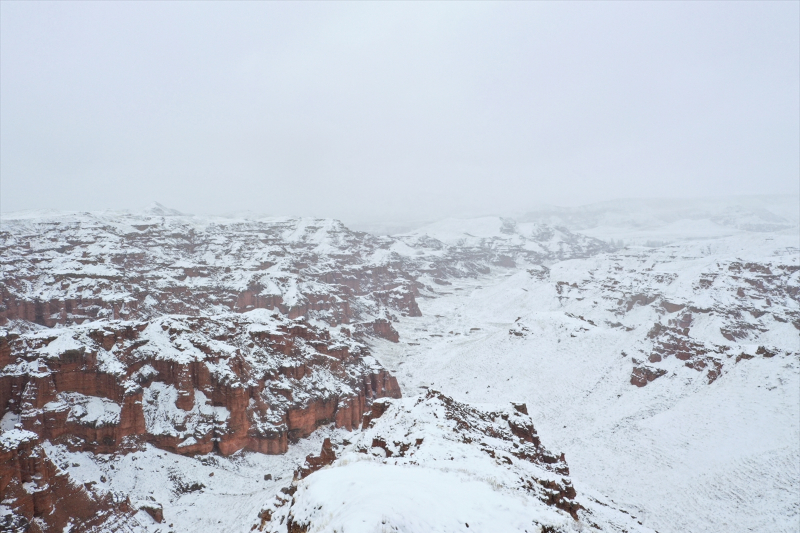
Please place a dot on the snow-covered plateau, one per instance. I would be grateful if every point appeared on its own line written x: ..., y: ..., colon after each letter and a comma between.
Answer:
x: 623, y: 367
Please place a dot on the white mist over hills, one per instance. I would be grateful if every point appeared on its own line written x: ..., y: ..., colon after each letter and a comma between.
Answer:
x: 631, y: 218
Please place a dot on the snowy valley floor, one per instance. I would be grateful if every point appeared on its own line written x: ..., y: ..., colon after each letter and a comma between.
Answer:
x: 683, y: 454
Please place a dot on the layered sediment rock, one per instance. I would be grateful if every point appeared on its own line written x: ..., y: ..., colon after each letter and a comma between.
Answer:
x: 189, y: 385
x: 43, y: 498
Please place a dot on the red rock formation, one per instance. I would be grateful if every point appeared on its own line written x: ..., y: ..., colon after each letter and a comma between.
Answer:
x: 314, y: 462
x: 673, y: 340
x: 378, y: 408
x: 383, y: 328
x: 250, y: 371
x: 156, y: 511
x: 33, y: 487
x: 348, y: 414
x: 642, y: 375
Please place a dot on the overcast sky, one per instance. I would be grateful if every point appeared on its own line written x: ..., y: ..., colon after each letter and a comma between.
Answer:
x: 368, y: 110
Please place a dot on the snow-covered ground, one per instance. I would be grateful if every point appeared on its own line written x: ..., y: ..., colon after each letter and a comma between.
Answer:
x: 199, y: 494
x: 684, y: 454
x: 433, y: 464
x: 562, y: 323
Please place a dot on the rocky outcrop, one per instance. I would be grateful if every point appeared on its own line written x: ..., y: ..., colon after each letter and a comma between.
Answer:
x: 378, y: 408
x: 745, y: 302
x: 155, y: 510
x: 643, y: 374
x: 673, y: 339
x: 421, y: 439
x: 41, y: 498
x: 383, y: 328
x: 314, y: 462
x: 254, y: 381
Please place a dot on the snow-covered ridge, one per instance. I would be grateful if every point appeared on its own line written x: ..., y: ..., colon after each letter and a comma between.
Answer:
x: 504, y: 238
x: 443, y: 466
x: 669, y: 375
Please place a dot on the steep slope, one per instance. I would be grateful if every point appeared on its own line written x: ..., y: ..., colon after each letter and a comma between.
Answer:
x: 441, y: 465
x: 189, y: 384
x: 39, y: 497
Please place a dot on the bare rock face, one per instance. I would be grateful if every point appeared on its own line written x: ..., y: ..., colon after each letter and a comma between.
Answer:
x: 43, y: 498
x: 643, y: 374
x: 383, y: 328
x: 189, y: 385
